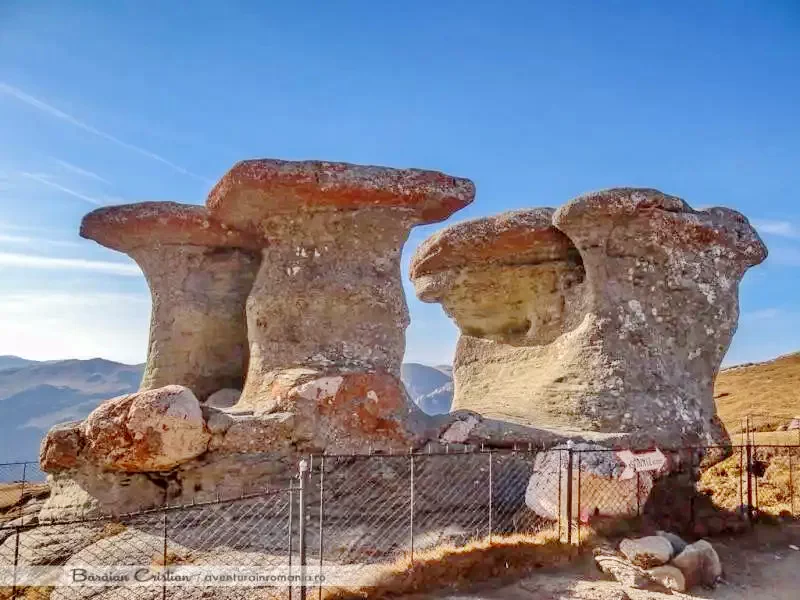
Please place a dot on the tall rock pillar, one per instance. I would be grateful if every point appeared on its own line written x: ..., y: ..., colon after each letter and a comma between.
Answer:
x: 327, y: 314
x: 610, y: 315
x: 199, y: 272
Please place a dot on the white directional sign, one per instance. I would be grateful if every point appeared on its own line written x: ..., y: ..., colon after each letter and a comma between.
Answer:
x: 643, y: 461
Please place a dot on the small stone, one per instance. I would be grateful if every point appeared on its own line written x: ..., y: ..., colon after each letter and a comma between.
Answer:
x: 699, y: 563
x: 669, y: 577
x: 225, y: 398
x: 678, y: 545
x: 623, y: 571
x: 647, y: 552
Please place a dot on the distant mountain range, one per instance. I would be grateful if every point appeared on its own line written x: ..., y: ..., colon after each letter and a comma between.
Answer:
x: 35, y: 395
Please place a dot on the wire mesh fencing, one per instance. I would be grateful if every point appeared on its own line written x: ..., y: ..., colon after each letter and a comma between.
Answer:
x: 347, y: 521
x: 238, y: 548
x: 20, y: 483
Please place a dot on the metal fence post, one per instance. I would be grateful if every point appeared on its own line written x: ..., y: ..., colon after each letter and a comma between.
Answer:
x: 749, y: 481
x: 22, y: 487
x: 580, y: 460
x: 741, y: 482
x: 569, y: 495
x: 560, y: 477
x: 693, y: 490
x: 791, y: 485
x: 16, y: 561
x: 164, y: 583
x: 638, y: 500
x: 321, y: 517
x: 491, y: 493
x: 412, y: 509
x: 302, y: 517
x: 291, y: 534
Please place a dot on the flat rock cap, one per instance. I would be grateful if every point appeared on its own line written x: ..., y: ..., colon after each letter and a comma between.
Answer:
x: 671, y: 218
x: 254, y: 190
x: 510, y: 238
x: 129, y: 226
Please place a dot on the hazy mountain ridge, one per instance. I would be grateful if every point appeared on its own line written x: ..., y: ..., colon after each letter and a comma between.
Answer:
x: 34, y: 395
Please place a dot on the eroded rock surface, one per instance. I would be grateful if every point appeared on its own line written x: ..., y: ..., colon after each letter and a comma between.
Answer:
x: 327, y: 311
x: 199, y: 271
x: 153, y: 430
x: 611, y: 314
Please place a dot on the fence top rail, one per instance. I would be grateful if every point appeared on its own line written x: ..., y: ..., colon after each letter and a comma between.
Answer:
x: 473, y: 450
x: 20, y: 462
x: 167, y: 508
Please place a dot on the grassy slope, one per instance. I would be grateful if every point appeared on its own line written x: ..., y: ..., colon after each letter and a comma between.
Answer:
x: 769, y: 391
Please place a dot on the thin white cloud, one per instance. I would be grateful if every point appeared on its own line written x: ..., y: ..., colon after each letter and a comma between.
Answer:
x: 30, y: 261
x: 43, y: 179
x: 47, y: 324
x: 16, y: 227
x: 33, y: 241
x: 81, y: 171
x: 785, y: 229
x: 58, y: 114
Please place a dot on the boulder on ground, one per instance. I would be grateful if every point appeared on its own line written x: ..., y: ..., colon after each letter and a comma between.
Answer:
x: 224, y: 398
x: 647, y: 552
x: 669, y: 577
x: 623, y: 571
x: 699, y: 563
x: 154, y: 430
x: 678, y: 545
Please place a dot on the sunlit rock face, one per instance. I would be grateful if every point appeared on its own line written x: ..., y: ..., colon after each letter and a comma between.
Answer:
x: 610, y: 314
x: 199, y: 272
x: 328, y: 300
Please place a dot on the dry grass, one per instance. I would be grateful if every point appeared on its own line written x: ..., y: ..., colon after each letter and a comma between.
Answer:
x: 447, y: 566
x: 769, y: 391
x: 775, y: 490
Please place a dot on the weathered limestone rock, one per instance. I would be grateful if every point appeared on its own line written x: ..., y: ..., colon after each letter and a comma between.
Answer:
x: 699, y: 563
x: 61, y: 447
x: 627, y: 574
x: 611, y: 314
x: 199, y: 272
x: 223, y: 398
x: 153, y: 430
x: 669, y: 577
x: 597, y: 471
x: 647, y: 552
x: 326, y: 316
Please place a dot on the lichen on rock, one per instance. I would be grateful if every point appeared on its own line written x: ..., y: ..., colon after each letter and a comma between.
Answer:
x: 610, y: 314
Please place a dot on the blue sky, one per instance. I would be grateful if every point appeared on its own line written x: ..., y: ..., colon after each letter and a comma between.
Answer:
x: 109, y: 102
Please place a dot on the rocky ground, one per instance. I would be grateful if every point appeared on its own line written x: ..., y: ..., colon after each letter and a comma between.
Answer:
x: 759, y: 565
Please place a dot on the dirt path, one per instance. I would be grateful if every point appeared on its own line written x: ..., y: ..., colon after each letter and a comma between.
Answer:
x: 760, y: 565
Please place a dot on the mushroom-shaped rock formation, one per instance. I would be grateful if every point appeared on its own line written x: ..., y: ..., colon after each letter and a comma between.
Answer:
x: 613, y: 318
x: 199, y: 272
x: 327, y: 314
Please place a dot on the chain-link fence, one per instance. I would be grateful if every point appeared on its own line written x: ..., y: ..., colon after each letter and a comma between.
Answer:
x: 20, y: 482
x: 347, y: 521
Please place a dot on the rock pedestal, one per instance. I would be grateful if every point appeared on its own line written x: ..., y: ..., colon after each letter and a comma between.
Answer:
x: 326, y: 316
x: 199, y: 272
x: 611, y: 314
